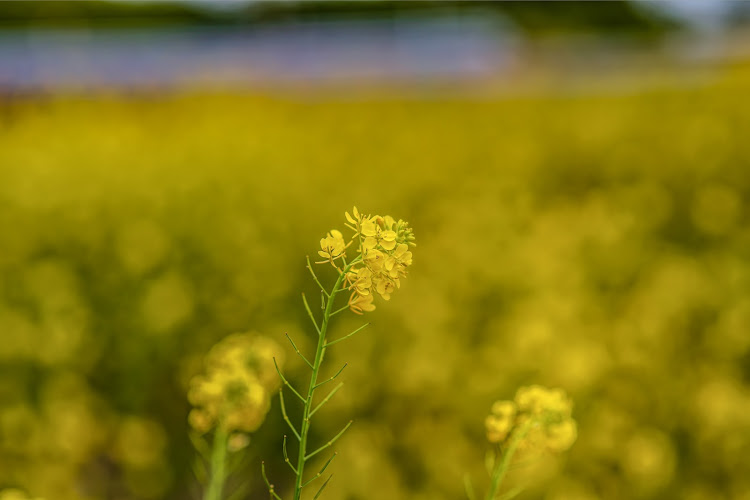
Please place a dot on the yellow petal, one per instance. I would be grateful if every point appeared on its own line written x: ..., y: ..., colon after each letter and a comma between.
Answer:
x: 388, y: 245
x: 369, y: 242
x: 369, y: 228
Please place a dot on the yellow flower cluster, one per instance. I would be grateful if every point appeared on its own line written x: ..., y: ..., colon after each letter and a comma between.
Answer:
x: 543, y: 415
x: 384, y: 256
x: 235, y: 390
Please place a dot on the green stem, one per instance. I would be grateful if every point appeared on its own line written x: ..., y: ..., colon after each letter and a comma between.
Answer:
x: 218, y: 460
x: 502, y: 466
x: 319, y: 354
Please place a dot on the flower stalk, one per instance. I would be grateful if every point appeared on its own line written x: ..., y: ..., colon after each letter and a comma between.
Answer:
x: 380, y: 263
x: 537, y: 419
x: 501, y: 468
x: 316, y: 364
x: 218, y: 462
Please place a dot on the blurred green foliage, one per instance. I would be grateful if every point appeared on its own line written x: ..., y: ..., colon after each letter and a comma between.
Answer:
x: 594, y: 243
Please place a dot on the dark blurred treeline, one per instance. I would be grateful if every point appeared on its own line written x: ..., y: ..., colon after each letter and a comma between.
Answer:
x: 532, y: 17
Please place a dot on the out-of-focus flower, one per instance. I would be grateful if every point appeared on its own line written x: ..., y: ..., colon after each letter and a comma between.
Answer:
x: 561, y: 436
x: 500, y: 420
x: 542, y: 415
x: 237, y: 441
x: 234, y: 391
x: 540, y: 401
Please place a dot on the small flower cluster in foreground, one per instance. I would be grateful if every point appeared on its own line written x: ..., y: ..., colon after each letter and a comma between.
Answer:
x: 235, y: 390
x: 544, y: 415
x: 383, y: 248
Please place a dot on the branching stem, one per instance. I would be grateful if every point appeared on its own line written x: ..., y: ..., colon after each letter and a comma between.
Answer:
x: 322, y: 488
x: 322, y: 288
x: 294, y: 346
x: 317, y: 362
x: 321, y: 471
x: 286, y: 417
x: 501, y: 466
x: 330, y: 379
x: 329, y: 443
x: 340, y: 309
x: 325, y: 400
x: 286, y: 382
x: 286, y: 456
x: 268, y: 483
x: 347, y: 336
x: 309, y: 313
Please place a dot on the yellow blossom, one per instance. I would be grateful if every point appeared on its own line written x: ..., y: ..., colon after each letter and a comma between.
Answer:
x: 541, y: 415
x: 397, y: 262
x: 235, y: 389
x: 355, y: 221
x: 384, y: 286
x: 332, y: 246
x: 376, y: 235
x: 360, y: 304
x: 539, y: 400
x: 374, y: 260
x: 561, y: 436
x: 361, y: 280
x: 237, y: 399
x: 383, y: 256
x: 500, y: 420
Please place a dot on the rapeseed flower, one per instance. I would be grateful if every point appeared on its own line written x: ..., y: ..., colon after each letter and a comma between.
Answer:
x: 361, y: 280
x: 500, y: 421
x: 376, y: 234
x: 332, y: 246
x: 360, y: 304
x: 382, y: 258
x: 539, y: 417
x: 234, y: 392
x: 385, y: 286
x: 398, y: 261
x: 539, y: 401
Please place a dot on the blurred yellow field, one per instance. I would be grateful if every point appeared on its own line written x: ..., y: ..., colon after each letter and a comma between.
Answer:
x: 596, y: 243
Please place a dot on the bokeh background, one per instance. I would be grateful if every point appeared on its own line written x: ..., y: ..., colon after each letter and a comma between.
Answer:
x: 577, y: 175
